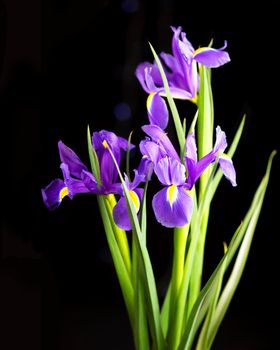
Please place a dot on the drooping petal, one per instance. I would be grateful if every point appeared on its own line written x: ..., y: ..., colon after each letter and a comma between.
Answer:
x: 120, y: 211
x: 160, y: 137
x: 170, y: 172
x: 172, y: 209
x: 54, y: 193
x: 210, y: 57
x: 121, y: 216
x: 157, y: 110
x: 69, y: 157
x: 228, y: 169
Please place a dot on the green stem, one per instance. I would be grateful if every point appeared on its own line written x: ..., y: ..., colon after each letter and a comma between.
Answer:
x: 119, y: 234
x: 180, y: 240
x: 121, y: 270
x: 196, y: 277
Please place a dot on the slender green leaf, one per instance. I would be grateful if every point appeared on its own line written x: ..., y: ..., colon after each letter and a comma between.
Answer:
x: 165, y: 311
x: 205, y: 121
x: 240, y: 262
x: 204, y: 333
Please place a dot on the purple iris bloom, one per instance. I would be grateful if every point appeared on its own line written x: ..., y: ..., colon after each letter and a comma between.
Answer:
x: 120, y: 211
x: 181, y: 67
x: 173, y: 205
x: 108, y: 172
x: 76, y: 179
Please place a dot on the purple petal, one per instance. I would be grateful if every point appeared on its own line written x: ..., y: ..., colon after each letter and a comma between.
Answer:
x: 141, y: 75
x: 210, y: 57
x: 157, y: 110
x: 227, y: 168
x: 91, y: 183
x: 121, y: 216
x: 221, y: 141
x: 120, y: 211
x: 160, y: 137
x: 174, y: 213
x: 70, y: 158
x: 170, y: 172
x: 74, y: 186
x: 138, y: 178
x: 54, y: 193
x: 146, y: 168
x: 152, y: 150
x: 177, y: 92
x: 191, y: 149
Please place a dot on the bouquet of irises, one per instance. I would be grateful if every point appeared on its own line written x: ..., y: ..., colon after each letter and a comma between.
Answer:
x: 189, y: 174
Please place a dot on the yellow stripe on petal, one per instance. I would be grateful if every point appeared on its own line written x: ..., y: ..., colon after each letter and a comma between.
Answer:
x: 64, y: 192
x: 149, y: 100
x: 172, y: 193
x: 135, y: 200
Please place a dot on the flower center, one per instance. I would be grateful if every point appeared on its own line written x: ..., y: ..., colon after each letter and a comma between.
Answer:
x: 105, y: 144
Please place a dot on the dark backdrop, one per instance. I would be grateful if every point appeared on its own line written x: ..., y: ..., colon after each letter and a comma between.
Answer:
x: 66, y: 64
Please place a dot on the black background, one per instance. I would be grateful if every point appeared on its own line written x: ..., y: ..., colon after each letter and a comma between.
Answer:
x: 66, y: 64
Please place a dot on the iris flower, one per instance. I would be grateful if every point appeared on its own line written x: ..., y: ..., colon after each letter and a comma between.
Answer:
x: 173, y: 204
x: 181, y: 72
x: 180, y: 67
x: 76, y: 179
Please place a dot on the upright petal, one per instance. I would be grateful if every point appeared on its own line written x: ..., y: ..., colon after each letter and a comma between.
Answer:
x: 160, y: 137
x: 170, y: 172
x: 157, y: 110
x: 74, y: 186
x: 210, y: 57
x: 227, y: 168
x: 175, y: 212
x: 140, y: 73
x: 69, y: 157
x: 191, y: 149
x: 221, y: 141
x: 153, y: 151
